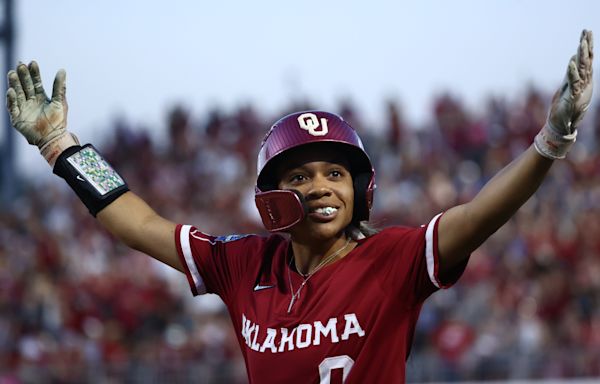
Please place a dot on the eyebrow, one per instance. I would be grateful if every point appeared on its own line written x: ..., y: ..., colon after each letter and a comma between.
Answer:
x: 302, y: 167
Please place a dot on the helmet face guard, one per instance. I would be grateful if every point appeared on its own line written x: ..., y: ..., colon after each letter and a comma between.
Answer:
x: 282, y: 209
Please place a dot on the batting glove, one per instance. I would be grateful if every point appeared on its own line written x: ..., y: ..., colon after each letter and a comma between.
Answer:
x: 41, y: 120
x: 569, y: 103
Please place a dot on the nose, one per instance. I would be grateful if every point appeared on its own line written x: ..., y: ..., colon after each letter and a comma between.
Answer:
x: 318, y: 188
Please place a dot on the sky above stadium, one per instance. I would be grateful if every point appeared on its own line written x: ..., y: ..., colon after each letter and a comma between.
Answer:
x: 138, y: 58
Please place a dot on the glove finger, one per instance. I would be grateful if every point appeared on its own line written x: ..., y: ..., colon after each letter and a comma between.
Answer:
x: 11, y: 104
x: 590, y: 43
x: 34, y: 70
x: 575, y: 82
x: 59, y: 88
x: 15, y: 83
x: 590, y: 39
x: 26, y: 81
x: 583, y: 60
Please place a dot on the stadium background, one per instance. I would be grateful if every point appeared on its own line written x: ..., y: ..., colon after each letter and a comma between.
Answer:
x: 75, y: 306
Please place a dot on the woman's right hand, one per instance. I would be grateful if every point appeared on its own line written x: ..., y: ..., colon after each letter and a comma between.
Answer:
x: 41, y: 120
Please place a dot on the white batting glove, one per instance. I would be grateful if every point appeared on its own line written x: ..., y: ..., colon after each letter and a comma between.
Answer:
x: 41, y: 120
x: 569, y: 103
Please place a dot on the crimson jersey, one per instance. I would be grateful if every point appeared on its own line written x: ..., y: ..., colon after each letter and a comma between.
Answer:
x: 354, y: 320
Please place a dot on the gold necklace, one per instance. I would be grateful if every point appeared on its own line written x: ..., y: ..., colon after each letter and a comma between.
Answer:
x: 306, y: 277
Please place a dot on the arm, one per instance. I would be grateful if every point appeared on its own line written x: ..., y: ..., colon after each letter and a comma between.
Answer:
x: 43, y: 122
x: 133, y: 222
x: 463, y: 228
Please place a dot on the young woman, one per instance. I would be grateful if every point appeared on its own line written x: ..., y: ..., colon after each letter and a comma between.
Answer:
x: 324, y: 298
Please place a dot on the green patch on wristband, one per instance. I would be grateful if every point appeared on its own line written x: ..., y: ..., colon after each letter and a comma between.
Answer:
x: 95, y: 170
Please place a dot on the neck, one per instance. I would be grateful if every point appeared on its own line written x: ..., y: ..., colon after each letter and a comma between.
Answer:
x: 308, y: 255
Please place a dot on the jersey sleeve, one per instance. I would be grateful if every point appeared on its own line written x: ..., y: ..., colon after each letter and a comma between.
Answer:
x: 432, y: 258
x: 414, y: 258
x: 216, y: 264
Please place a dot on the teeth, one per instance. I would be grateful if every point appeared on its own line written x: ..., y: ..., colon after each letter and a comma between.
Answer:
x: 326, y: 211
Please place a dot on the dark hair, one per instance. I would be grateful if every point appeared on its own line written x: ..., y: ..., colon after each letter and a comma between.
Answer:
x: 364, y: 229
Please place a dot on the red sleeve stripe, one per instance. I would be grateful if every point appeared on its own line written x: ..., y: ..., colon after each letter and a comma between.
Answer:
x: 186, y: 249
x: 431, y: 251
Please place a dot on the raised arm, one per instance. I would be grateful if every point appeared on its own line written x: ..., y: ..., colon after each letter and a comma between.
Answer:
x: 43, y: 122
x: 132, y: 221
x: 465, y: 227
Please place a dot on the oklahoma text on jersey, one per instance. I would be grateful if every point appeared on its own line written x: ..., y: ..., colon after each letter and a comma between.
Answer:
x: 276, y: 340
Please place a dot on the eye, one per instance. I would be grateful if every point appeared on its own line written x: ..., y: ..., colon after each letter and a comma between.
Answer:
x: 296, y: 178
x: 336, y: 173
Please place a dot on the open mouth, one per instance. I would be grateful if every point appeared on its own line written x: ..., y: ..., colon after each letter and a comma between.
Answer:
x: 324, y: 211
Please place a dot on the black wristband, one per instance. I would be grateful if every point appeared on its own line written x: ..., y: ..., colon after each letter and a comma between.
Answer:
x: 91, y: 177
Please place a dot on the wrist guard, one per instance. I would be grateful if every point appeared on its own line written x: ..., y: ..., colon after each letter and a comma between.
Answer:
x: 94, y: 181
x: 53, y: 148
x: 552, y: 144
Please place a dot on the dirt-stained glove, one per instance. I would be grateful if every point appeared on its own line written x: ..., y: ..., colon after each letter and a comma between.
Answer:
x: 569, y: 103
x: 41, y: 120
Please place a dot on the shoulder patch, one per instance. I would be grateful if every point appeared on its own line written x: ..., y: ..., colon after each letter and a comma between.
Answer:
x: 228, y: 238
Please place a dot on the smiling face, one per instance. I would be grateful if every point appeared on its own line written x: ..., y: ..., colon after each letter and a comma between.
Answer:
x: 322, y: 175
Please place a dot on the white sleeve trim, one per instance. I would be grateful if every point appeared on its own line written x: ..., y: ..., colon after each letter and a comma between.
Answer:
x: 184, y: 240
x: 431, y: 252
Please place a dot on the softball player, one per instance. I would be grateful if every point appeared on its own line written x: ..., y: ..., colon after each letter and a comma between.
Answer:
x: 323, y: 298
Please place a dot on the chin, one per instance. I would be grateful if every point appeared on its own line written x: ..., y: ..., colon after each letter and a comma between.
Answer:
x: 320, y: 231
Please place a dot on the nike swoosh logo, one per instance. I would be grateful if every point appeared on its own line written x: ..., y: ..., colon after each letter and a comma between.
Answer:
x: 259, y: 287
x: 80, y: 178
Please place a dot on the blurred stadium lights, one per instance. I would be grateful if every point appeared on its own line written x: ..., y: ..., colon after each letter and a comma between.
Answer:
x: 7, y: 146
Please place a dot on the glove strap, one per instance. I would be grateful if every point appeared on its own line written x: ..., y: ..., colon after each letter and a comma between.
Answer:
x: 94, y: 181
x: 552, y: 144
x: 52, y: 149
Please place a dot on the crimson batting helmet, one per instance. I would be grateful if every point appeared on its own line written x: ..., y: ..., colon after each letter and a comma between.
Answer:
x: 282, y: 209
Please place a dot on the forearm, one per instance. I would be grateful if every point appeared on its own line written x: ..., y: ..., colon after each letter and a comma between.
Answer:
x: 504, y: 194
x: 137, y: 225
x: 493, y: 206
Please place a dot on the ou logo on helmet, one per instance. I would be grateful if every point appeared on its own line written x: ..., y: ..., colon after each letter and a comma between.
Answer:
x: 310, y: 122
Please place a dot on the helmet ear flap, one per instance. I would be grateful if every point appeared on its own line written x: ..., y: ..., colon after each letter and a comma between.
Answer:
x: 363, y: 197
x: 280, y: 209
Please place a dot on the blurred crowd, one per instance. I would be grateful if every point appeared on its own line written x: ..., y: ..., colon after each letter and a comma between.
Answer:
x: 77, y: 306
